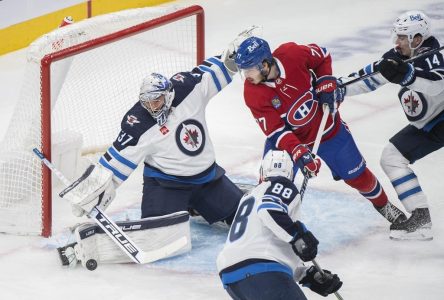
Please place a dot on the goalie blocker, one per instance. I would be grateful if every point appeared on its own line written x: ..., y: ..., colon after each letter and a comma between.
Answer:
x: 152, y: 234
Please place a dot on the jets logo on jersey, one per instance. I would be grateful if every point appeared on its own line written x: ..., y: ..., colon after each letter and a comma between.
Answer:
x: 179, y: 77
x: 131, y: 120
x: 302, y: 110
x: 190, y: 137
x: 413, y: 103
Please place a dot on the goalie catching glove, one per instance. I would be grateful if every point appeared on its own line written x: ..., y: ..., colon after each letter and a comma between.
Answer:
x: 93, y: 188
x: 230, y: 53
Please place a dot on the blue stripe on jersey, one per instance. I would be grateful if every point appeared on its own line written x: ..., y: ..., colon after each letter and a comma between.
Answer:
x: 271, y: 206
x: 121, y: 159
x: 213, y: 74
x: 149, y: 172
x: 272, y: 198
x: 373, y: 192
x: 253, y: 269
x: 116, y: 173
x: 274, y: 138
x: 367, y: 70
x: 403, y: 179
x: 409, y: 193
x: 429, y: 126
x: 222, y: 67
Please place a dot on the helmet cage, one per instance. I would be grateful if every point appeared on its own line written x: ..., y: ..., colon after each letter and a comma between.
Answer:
x: 153, y: 87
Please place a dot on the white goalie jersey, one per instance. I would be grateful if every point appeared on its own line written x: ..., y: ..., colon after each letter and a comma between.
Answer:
x: 263, y: 227
x: 181, y: 149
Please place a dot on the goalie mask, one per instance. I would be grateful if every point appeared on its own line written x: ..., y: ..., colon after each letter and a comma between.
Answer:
x: 156, y: 96
x: 276, y: 163
x: 410, y: 24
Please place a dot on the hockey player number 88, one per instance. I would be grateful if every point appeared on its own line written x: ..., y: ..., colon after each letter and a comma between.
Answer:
x: 280, y: 190
x: 241, y: 219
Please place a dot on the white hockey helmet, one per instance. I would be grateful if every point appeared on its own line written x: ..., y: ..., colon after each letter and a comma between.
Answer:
x: 276, y: 163
x: 154, y: 86
x: 412, y: 23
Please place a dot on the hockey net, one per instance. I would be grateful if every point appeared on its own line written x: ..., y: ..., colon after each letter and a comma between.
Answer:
x: 80, y: 80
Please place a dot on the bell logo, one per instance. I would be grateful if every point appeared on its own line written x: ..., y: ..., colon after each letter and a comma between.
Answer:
x: 253, y: 46
x: 416, y: 18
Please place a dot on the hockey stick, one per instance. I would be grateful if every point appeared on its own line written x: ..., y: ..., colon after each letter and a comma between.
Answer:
x: 315, y: 148
x: 246, y: 187
x: 407, y: 61
x: 115, y: 232
x: 318, y: 267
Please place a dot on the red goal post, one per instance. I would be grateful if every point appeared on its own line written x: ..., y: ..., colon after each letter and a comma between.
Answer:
x: 80, y: 80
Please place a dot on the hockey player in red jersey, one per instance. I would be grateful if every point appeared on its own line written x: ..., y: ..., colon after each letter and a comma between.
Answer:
x: 285, y: 91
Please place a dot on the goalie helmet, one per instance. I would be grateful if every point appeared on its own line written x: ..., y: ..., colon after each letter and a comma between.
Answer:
x: 252, y: 52
x: 412, y: 23
x: 155, y: 86
x: 276, y: 163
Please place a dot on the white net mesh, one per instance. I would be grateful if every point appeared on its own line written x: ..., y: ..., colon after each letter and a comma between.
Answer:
x: 90, y: 93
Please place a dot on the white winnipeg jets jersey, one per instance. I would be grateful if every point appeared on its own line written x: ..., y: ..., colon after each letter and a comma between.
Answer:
x: 263, y: 226
x: 423, y: 100
x: 182, y: 147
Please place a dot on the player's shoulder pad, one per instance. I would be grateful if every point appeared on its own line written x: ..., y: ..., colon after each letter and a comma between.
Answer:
x: 134, y: 124
x: 137, y: 120
x: 283, y: 188
x: 183, y: 85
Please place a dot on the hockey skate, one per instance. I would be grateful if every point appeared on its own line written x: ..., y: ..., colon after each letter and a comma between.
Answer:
x: 393, y: 214
x: 417, y: 227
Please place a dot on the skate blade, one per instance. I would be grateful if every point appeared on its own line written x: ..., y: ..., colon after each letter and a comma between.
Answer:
x: 421, y: 234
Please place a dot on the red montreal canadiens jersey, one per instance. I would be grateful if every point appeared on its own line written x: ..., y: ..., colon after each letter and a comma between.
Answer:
x: 286, y: 109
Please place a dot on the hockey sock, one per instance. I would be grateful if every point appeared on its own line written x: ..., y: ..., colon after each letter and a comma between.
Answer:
x: 369, y: 187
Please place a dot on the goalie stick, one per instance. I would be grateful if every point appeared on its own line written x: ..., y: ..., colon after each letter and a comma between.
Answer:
x: 115, y: 232
x: 407, y: 61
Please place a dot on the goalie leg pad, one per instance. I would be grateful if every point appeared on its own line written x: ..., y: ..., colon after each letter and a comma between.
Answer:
x: 149, y: 234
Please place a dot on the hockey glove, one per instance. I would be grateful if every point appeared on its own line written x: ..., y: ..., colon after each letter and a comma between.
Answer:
x: 228, y: 59
x: 397, y: 71
x: 321, y: 284
x: 306, y: 161
x: 94, y: 187
x: 304, y: 244
x: 230, y: 53
x: 328, y: 92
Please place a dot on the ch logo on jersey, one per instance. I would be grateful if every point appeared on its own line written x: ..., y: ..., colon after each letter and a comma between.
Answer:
x: 413, y: 103
x: 190, y: 137
x: 302, y: 110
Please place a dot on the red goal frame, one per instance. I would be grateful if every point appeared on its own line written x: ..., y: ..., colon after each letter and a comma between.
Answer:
x: 45, y: 87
